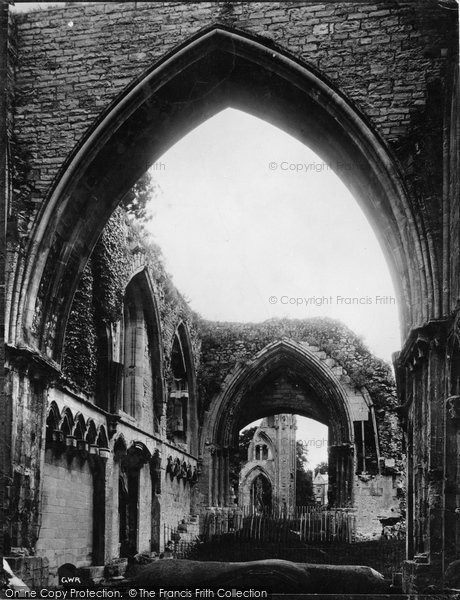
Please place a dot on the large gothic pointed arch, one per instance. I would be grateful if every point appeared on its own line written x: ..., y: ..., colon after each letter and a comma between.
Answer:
x: 231, y: 408
x: 171, y: 99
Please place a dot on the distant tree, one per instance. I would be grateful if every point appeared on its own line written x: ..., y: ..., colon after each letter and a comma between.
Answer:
x: 237, y: 459
x: 136, y: 200
x: 301, y: 448
x: 304, y: 477
x: 322, y: 468
x: 244, y: 441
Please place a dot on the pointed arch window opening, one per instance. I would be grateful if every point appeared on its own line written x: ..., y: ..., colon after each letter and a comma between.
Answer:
x: 261, y: 494
x: 130, y: 358
x: 178, y: 402
x: 262, y: 452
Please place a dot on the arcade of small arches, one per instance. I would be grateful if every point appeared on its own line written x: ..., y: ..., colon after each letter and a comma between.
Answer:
x: 155, y: 397
x: 66, y: 431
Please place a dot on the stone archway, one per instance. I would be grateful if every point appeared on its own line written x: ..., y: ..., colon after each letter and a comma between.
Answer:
x: 261, y: 494
x: 321, y: 395
x: 130, y: 462
x: 251, y: 489
x: 153, y: 114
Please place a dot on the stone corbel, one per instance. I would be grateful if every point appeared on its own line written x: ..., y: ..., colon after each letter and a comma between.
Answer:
x: 155, y: 472
x: 183, y: 471
x: 112, y: 423
x: 170, y: 466
x: 57, y: 442
x: 417, y: 348
x: 177, y: 468
x: 194, y: 477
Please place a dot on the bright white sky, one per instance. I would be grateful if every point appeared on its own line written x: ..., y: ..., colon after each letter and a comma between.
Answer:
x: 236, y: 231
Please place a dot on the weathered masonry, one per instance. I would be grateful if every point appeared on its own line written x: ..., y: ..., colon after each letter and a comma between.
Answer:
x: 316, y: 368
x: 96, y: 93
x: 267, y: 479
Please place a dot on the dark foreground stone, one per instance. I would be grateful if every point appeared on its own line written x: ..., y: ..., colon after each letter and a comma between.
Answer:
x: 273, y: 575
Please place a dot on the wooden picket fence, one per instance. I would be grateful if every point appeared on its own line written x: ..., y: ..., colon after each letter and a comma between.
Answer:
x: 327, y: 526
x: 338, y: 525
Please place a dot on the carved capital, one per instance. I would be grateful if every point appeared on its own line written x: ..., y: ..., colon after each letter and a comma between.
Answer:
x: 430, y: 337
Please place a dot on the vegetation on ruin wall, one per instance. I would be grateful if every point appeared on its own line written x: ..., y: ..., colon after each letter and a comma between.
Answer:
x: 80, y: 350
x: 109, y: 270
x: 226, y: 344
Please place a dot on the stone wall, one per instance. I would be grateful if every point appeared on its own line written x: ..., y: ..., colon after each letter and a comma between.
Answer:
x: 54, y: 499
x: 73, y: 61
x: 122, y: 251
x: 175, y: 502
x: 391, y: 62
x: 66, y: 531
x: 376, y: 498
x: 32, y: 570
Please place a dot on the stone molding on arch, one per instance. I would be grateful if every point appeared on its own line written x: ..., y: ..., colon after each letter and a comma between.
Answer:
x: 181, y: 336
x: 247, y: 480
x: 253, y: 471
x: 222, y: 420
x: 66, y: 230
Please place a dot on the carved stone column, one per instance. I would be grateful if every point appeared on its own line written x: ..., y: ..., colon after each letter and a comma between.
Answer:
x: 226, y: 476
x: 215, y: 477
x: 29, y: 376
x: 155, y: 522
x: 421, y: 373
x: 221, y: 479
x: 452, y: 481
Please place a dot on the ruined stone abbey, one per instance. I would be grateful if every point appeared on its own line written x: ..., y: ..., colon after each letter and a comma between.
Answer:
x: 121, y: 407
x: 267, y: 480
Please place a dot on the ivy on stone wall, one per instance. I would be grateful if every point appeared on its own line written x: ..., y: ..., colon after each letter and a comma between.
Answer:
x: 123, y: 245
x: 79, y: 357
x: 111, y: 267
x: 21, y: 198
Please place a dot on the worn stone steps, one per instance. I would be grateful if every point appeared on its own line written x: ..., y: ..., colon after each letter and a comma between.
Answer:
x: 331, y: 363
